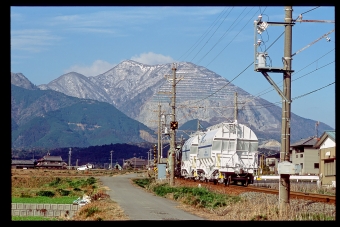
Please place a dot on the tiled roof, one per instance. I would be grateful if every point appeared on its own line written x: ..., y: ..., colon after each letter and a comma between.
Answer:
x: 311, y: 141
x: 136, y: 161
x: 23, y: 162
x: 52, y: 158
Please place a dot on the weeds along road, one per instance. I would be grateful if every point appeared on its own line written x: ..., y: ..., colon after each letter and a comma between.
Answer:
x: 141, y: 205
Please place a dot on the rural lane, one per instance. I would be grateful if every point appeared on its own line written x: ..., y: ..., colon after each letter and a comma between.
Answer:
x: 141, y: 205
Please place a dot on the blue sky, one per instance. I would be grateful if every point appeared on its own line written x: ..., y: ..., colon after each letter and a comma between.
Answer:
x: 47, y: 42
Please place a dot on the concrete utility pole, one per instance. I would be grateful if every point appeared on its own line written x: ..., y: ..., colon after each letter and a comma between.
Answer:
x: 235, y: 111
x: 111, y: 159
x: 173, y: 131
x: 69, y: 159
x: 159, y: 133
x: 284, y: 189
x: 285, y: 167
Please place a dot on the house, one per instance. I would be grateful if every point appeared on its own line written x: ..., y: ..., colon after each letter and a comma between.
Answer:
x: 135, y: 163
x: 117, y: 166
x: 326, y: 146
x: 305, y: 156
x: 49, y: 161
x: 22, y: 164
x: 272, y: 162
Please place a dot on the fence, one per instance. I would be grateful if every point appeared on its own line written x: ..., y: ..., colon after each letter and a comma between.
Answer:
x: 46, y: 210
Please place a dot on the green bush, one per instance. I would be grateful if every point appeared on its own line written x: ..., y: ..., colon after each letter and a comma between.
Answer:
x: 143, y: 182
x: 82, y: 183
x: 56, y: 182
x: 45, y: 193
x: 91, y: 180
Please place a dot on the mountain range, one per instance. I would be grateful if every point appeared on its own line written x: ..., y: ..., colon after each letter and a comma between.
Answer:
x: 127, y: 103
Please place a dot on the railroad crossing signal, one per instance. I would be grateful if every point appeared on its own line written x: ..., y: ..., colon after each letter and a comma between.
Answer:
x: 174, y: 125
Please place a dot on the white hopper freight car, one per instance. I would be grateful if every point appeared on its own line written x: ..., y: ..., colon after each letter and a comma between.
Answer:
x: 225, y: 153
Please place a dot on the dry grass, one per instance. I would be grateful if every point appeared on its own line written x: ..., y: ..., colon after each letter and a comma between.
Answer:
x: 259, y: 209
x: 103, y: 208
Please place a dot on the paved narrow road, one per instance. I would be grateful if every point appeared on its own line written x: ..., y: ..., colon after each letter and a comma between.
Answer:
x: 141, y: 205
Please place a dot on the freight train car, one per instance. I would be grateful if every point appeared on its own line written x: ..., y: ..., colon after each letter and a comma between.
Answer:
x: 224, y: 153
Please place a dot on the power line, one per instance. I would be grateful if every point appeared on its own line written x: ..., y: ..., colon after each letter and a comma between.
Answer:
x: 226, y: 32
x: 234, y: 77
x: 230, y: 41
x: 209, y: 38
x: 193, y: 47
x: 300, y: 96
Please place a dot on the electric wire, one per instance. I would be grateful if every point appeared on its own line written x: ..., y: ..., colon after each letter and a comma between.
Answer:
x: 193, y: 47
x: 230, y: 41
x: 306, y: 12
x: 242, y: 72
x: 210, y: 37
x: 226, y: 32
x: 234, y: 77
x: 297, y: 97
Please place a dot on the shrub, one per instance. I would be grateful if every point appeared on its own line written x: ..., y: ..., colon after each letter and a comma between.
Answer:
x: 55, y: 182
x: 45, y: 193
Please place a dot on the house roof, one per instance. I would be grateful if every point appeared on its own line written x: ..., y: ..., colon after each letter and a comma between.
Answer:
x: 308, y: 142
x: 327, y: 134
x: 51, y: 158
x: 23, y: 162
x: 137, y: 161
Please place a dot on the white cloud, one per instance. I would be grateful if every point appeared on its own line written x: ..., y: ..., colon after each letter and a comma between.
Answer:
x: 97, y: 67
x: 152, y: 58
x: 33, y: 40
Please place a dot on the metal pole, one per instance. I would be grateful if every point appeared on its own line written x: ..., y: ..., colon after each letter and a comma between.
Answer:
x: 173, y: 131
x: 284, y: 188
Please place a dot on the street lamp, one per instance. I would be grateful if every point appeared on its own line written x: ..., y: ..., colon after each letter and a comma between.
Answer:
x: 111, y: 158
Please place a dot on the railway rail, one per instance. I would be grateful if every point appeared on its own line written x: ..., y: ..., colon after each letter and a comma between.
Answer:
x: 237, y: 189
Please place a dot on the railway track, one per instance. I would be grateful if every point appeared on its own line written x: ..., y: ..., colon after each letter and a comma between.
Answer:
x: 237, y: 189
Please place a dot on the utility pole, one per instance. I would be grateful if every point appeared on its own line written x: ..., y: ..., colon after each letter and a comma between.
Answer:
x: 173, y: 129
x: 69, y: 159
x: 111, y: 159
x: 159, y: 133
x: 284, y: 189
x: 285, y: 167
x: 235, y: 111
x: 149, y: 154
